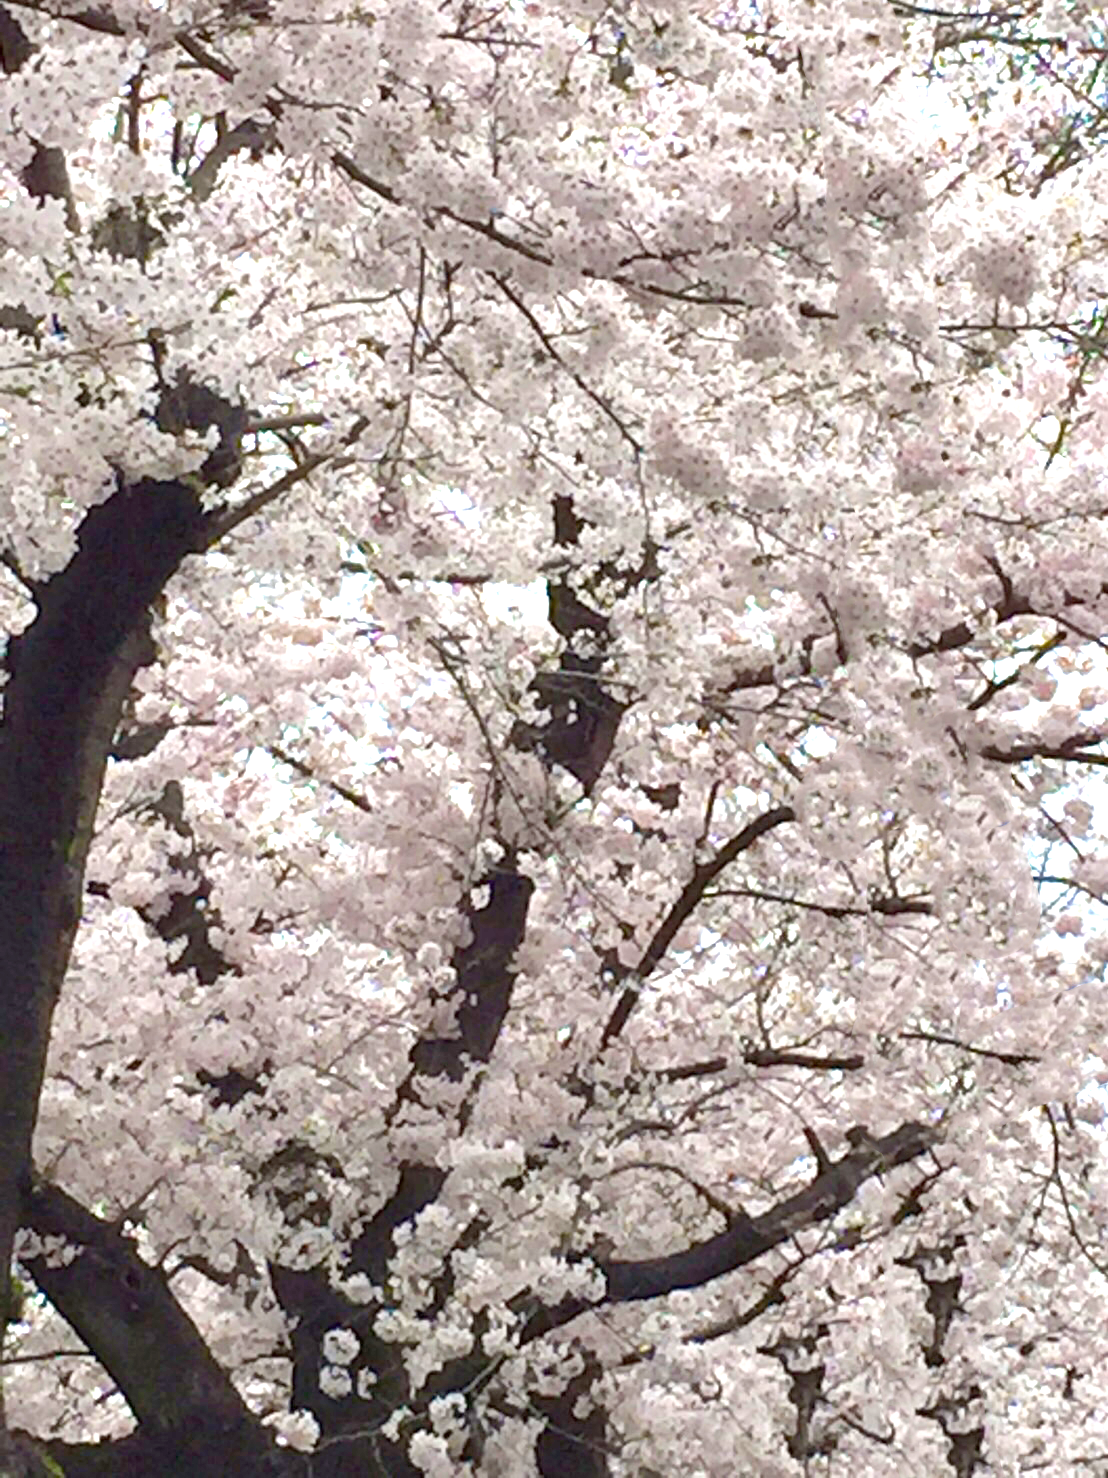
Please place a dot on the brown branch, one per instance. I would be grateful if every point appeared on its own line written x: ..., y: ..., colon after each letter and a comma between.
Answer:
x: 204, y: 58
x: 730, y: 1214
x: 1014, y: 1059
x: 584, y: 717
x: 249, y: 134
x: 92, y: 18
x: 353, y: 171
x: 1013, y: 603
x: 690, y: 895
x: 222, y: 522
x: 879, y: 905
x: 772, y: 1296
x: 602, y: 403
x: 190, y: 922
x: 890, y: 905
x: 706, y: 1069
x: 483, y: 981
x: 481, y: 992
x: 960, y: 634
x: 70, y: 672
x: 12, y: 565
x: 788, y: 1057
x: 998, y: 685
x: 736, y: 1246
x: 74, y: 1354
x: 335, y: 786
x: 815, y: 1144
x: 1056, y: 1176
x: 46, y: 177
x: 124, y: 1311
x: 1069, y: 751
x: 291, y: 422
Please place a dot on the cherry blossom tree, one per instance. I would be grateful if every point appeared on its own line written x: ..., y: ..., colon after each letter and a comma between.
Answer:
x: 553, y: 558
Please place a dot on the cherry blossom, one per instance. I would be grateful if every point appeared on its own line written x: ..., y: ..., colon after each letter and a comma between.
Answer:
x: 551, y: 865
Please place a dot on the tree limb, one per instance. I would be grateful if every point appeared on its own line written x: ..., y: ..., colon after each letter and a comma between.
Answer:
x: 703, y: 875
x: 69, y: 675
x: 124, y: 1311
x: 739, y: 1244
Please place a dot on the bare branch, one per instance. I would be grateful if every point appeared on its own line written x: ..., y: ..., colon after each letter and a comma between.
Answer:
x: 600, y: 401
x: 731, y: 1214
x: 882, y: 904
x: 1071, y: 751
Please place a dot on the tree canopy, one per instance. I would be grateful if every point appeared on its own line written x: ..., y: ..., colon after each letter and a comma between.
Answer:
x: 551, y: 876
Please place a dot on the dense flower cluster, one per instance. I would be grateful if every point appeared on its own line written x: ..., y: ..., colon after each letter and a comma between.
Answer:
x: 554, y: 569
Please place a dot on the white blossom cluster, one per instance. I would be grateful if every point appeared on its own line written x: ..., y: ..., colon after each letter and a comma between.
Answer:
x: 628, y: 748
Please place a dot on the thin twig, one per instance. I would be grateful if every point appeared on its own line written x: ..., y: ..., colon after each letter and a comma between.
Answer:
x: 1056, y: 1177
x: 600, y: 401
x: 1014, y: 1059
x: 283, y: 756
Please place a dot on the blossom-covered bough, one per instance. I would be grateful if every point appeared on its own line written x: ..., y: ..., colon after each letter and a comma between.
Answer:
x: 554, y: 566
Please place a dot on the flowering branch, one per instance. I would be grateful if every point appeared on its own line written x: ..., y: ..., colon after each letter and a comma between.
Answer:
x: 747, y: 1238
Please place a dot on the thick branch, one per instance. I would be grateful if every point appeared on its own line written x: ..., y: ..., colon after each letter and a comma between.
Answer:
x: 249, y: 135
x: 138, y: 1456
x: 69, y: 674
x: 93, y: 18
x: 484, y: 978
x: 584, y: 717
x: 584, y: 720
x: 749, y: 1237
x: 124, y: 1311
x: 190, y: 916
